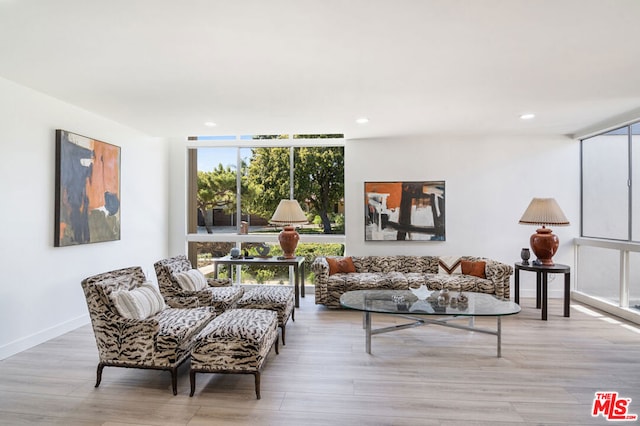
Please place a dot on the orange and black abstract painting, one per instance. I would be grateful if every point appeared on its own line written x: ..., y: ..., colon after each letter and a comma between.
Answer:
x: 404, y: 211
x: 87, y: 196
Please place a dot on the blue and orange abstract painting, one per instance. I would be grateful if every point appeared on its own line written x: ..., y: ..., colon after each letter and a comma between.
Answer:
x: 87, y: 190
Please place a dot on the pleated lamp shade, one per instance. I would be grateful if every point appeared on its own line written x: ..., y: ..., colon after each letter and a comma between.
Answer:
x: 287, y: 214
x: 544, y: 243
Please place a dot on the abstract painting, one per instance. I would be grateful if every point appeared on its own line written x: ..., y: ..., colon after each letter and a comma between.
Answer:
x: 404, y: 211
x: 87, y: 195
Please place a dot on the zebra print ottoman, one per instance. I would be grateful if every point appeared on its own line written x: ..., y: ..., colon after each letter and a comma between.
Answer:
x: 235, y: 342
x: 279, y: 299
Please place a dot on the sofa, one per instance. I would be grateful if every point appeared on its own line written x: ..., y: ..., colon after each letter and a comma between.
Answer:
x: 336, y: 276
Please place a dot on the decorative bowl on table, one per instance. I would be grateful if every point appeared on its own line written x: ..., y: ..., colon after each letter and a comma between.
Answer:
x: 263, y: 250
x: 421, y: 292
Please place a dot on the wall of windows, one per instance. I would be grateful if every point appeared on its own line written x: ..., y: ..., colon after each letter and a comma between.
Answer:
x: 235, y: 185
x: 609, y: 247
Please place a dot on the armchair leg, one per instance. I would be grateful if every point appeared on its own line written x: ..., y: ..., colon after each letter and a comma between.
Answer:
x: 99, y: 374
x: 174, y: 380
x: 256, y: 374
x: 282, y: 328
x: 192, y: 379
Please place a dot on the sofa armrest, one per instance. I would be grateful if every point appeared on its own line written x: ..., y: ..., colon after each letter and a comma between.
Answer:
x: 320, y: 268
x: 499, y: 273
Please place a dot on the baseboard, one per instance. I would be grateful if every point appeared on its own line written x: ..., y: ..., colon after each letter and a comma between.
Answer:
x: 35, y: 339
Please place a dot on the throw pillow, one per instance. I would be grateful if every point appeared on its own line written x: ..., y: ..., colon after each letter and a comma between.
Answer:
x: 191, y: 280
x: 138, y: 303
x: 474, y: 268
x: 449, y: 265
x: 344, y: 265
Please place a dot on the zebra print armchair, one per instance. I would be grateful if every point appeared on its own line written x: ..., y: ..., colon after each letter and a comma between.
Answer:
x: 219, y: 293
x: 163, y: 341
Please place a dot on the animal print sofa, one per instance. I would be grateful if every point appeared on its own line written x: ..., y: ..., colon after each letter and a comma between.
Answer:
x: 475, y: 274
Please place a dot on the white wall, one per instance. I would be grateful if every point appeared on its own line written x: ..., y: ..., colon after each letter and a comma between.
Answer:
x: 40, y: 293
x: 489, y: 183
x: 178, y: 196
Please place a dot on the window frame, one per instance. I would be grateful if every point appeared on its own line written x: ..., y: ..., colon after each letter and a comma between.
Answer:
x: 629, y: 161
x: 240, y: 142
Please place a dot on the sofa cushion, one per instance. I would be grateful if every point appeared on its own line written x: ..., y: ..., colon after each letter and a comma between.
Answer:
x: 376, y: 280
x: 459, y: 282
x: 449, y: 265
x: 138, y: 303
x: 191, y: 280
x: 416, y: 279
x: 344, y: 265
x: 376, y: 263
x: 474, y: 268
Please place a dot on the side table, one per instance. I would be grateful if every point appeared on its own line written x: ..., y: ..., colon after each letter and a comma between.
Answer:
x: 542, y: 271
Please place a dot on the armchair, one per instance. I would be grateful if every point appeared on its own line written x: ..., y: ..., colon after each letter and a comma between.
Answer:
x: 162, y: 341
x: 219, y: 293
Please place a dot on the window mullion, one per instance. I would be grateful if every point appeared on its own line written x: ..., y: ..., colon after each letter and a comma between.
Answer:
x: 291, y: 172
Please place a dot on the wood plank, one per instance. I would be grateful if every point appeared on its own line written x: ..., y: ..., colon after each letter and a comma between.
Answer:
x: 549, y: 373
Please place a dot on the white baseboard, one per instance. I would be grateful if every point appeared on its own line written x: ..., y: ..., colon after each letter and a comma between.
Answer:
x: 35, y: 339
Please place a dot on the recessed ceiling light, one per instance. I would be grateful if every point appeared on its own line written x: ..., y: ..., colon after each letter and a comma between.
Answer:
x: 527, y: 116
x: 210, y: 124
x: 362, y: 120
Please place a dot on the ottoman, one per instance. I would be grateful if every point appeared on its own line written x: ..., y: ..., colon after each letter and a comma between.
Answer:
x: 279, y: 299
x: 235, y: 342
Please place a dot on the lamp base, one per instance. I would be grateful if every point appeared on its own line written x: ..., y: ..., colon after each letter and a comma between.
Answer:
x: 544, y: 244
x: 289, y: 241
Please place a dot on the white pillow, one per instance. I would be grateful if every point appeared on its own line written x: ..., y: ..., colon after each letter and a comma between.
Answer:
x: 192, y: 280
x: 138, y: 303
x: 449, y: 265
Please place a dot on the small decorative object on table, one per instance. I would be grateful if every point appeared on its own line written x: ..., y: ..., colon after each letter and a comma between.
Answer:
x: 263, y: 250
x: 401, y: 302
x: 421, y: 292
x: 463, y: 301
x: 235, y: 253
x: 525, y: 254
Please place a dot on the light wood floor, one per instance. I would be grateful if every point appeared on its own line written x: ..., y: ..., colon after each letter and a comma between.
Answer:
x: 429, y: 375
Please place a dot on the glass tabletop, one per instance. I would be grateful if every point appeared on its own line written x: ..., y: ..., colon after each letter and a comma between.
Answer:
x: 405, y: 302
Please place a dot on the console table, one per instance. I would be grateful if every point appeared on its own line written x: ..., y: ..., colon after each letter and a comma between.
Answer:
x: 542, y: 272
x: 297, y: 264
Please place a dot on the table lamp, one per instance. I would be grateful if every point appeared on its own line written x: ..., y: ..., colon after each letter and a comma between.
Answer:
x: 544, y: 243
x: 287, y: 214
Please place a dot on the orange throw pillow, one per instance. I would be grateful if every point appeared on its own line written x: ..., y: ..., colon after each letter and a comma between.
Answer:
x: 474, y: 268
x: 344, y: 265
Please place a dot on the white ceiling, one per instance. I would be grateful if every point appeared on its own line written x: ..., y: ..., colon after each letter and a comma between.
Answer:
x: 272, y: 66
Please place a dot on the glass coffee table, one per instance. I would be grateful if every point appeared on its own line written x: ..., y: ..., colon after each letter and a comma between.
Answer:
x: 430, y: 310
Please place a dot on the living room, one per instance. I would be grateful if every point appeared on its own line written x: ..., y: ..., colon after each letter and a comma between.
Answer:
x: 459, y: 123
